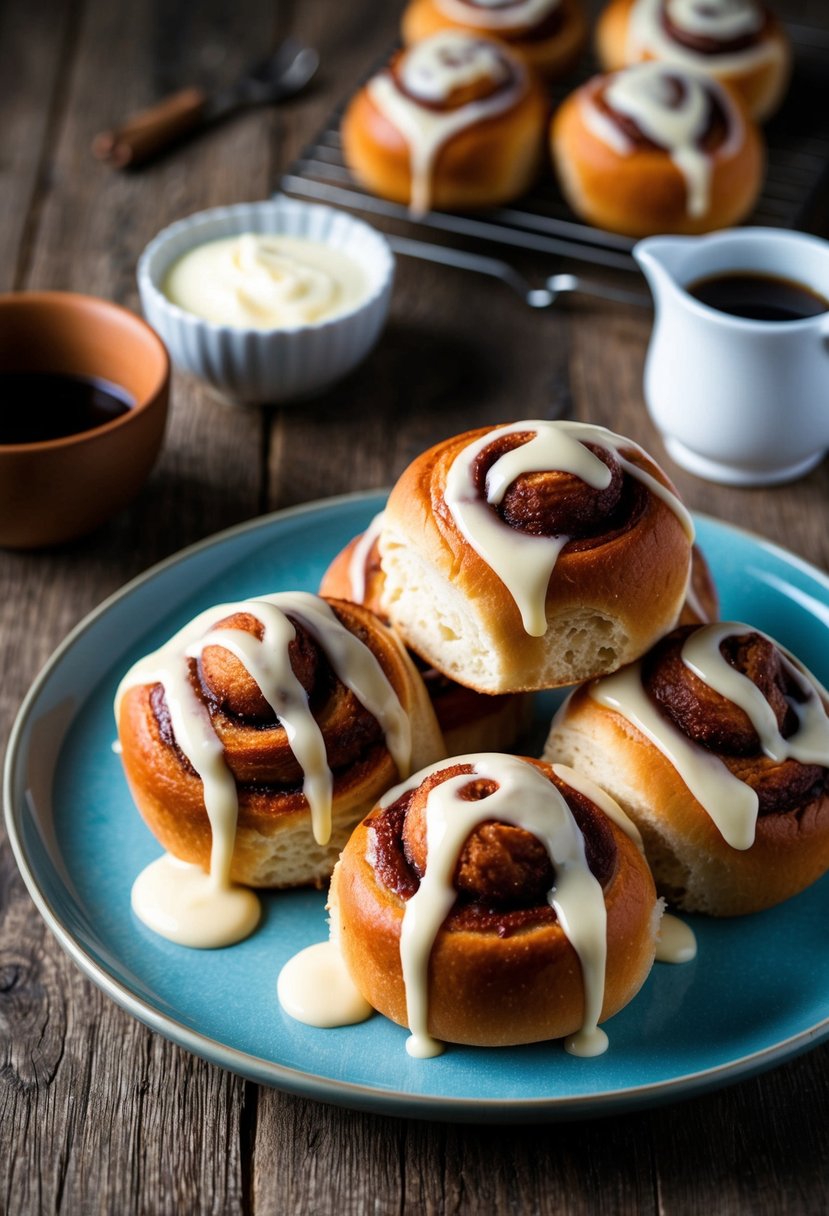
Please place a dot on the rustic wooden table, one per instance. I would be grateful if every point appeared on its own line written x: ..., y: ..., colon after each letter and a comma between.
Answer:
x: 96, y: 1112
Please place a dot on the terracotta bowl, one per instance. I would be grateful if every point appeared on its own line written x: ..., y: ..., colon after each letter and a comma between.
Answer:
x: 55, y: 490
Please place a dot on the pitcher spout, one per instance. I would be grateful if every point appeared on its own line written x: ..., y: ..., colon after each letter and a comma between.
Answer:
x: 661, y: 259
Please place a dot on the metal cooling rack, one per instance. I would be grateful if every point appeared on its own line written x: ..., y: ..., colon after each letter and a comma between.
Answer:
x: 798, y: 159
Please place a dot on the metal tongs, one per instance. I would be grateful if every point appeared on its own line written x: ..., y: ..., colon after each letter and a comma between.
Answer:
x: 150, y: 131
x: 536, y: 297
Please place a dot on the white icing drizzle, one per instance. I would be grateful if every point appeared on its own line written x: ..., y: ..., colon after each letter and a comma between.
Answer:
x: 731, y: 804
x: 583, y: 785
x: 359, y: 557
x: 522, y: 562
x: 673, y: 111
x: 810, y: 742
x: 526, y: 798
x: 721, y: 20
x: 430, y: 72
x: 676, y: 942
x: 315, y: 988
x: 267, y: 661
x: 498, y: 14
x: 182, y: 903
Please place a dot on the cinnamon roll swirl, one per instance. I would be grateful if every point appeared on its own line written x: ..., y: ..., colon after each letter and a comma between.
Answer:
x: 494, y: 900
x: 740, y: 43
x: 264, y: 730
x: 655, y: 148
x: 717, y: 746
x: 469, y: 721
x: 533, y: 555
x: 548, y: 35
x: 454, y: 122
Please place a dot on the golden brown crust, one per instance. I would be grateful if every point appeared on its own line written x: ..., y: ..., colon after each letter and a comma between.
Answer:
x: 694, y: 867
x: 336, y: 581
x: 486, y: 989
x: 761, y: 86
x: 636, y: 580
x: 643, y: 192
x: 551, y: 55
x: 702, y: 603
x: 274, y: 843
x: 491, y: 162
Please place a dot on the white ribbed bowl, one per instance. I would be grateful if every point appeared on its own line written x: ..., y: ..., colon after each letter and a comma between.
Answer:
x: 264, y: 366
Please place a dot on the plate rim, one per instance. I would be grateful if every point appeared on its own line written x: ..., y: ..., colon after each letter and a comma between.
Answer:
x: 307, y: 1084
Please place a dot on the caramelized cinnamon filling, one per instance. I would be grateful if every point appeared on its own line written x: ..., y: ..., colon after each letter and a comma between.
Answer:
x: 720, y: 726
x: 503, y: 874
x: 555, y: 503
x: 256, y: 745
x: 712, y: 137
x: 229, y: 686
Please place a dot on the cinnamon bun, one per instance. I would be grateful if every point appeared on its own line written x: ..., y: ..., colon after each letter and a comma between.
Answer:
x: 493, y: 900
x: 740, y: 43
x: 549, y: 35
x: 533, y: 555
x: 656, y: 148
x: 469, y: 721
x: 454, y: 122
x: 264, y: 730
x: 717, y: 745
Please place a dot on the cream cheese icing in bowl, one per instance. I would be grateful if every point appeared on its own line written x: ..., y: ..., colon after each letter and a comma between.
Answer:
x: 298, y: 299
x: 269, y: 282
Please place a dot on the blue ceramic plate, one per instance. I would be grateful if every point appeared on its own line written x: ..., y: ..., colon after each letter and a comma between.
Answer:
x: 756, y: 994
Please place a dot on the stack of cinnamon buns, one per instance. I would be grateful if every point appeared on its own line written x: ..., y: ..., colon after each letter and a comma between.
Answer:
x: 666, y: 140
x: 479, y: 896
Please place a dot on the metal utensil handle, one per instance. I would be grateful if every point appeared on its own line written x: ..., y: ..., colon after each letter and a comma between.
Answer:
x: 149, y: 131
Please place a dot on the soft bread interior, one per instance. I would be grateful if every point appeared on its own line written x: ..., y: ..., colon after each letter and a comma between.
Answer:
x: 619, y: 773
x: 291, y: 857
x: 462, y: 636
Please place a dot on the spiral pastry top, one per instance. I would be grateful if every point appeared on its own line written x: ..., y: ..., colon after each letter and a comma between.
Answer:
x: 684, y: 114
x: 489, y: 876
x: 497, y: 15
x: 523, y: 556
x: 688, y: 31
x: 721, y: 741
x: 548, y: 35
x: 738, y: 42
x: 263, y: 713
x: 433, y: 96
x: 744, y: 727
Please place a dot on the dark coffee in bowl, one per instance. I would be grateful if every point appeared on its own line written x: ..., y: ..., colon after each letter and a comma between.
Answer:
x: 38, y: 406
x: 758, y: 297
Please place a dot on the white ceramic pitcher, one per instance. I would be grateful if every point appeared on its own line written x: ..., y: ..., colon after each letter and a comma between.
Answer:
x: 737, y: 401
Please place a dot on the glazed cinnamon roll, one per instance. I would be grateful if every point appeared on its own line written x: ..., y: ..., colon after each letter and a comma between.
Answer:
x: 469, y: 721
x: 717, y: 746
x: 656, y: 148
x: 492, y: 900
x: 264, y: 730
x: 533, y: 555
x: 547, y: 34
x: 454, y: 122
x: 740, y: 43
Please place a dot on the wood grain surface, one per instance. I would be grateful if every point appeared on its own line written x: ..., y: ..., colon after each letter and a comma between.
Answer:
x: 98, y: 1114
